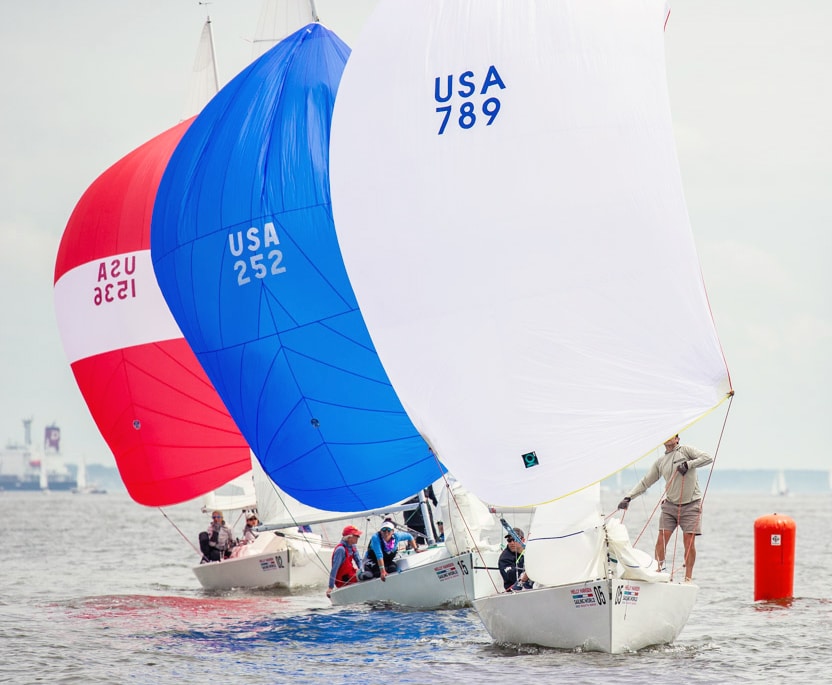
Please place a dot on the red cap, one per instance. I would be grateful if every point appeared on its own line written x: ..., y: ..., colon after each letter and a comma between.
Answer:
x: 350, y: 530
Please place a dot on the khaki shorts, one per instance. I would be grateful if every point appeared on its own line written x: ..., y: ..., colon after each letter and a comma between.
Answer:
x: 687, y: 516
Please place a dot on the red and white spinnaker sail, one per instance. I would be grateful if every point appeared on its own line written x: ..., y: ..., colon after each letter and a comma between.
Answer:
x: 169, y: 432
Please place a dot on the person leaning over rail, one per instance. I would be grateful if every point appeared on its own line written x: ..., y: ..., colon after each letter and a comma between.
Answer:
x: 682, y: 504
x: 383, y: 548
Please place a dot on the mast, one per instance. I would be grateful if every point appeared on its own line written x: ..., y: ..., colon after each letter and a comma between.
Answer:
x: 213, y: 52
x: 426, y: 517
x: 205, y: 80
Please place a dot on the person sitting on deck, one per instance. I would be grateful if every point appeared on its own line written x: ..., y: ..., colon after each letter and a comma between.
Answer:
x: 346, y: 561
x: 217, y: 542
x: 512, y: 563
x: 249, y: 534
x: 384, y: 546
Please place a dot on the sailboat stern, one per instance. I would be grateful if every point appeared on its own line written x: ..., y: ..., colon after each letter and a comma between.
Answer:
x: 271, y: 561
x: 613, y: 616
x: 644, y: 614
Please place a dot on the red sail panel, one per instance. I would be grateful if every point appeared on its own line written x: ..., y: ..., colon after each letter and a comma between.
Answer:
x: 167, y: 428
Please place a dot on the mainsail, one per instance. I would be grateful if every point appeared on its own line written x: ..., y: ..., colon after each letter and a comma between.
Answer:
x: 508, y: 201
x: 168, y: 430
x: 246, y: 256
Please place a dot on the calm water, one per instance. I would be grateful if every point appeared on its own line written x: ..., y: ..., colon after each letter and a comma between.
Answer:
x: 97, y: 589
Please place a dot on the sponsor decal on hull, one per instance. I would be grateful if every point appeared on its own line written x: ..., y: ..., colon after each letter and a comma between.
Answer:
x: 446, y: 571
x: 271, y: 563
x: 583, y: 597
x: 628, y: 594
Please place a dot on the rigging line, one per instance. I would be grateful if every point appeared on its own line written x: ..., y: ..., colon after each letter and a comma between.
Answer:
x: 713, y: 464
x: 658, y: 504
x: 178, y: 530
x: 476, y: 549
x: 452, y: 498
x: 718, y: 445
x: 301, y: 533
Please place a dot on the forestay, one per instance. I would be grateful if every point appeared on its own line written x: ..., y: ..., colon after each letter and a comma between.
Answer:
x: 508, y: 202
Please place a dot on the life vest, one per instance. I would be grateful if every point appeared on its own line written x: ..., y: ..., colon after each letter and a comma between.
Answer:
x: 388, y: 555
x: 346, y: 573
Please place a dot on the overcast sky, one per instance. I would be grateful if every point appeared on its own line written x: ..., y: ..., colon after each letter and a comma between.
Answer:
x: 87, y: 81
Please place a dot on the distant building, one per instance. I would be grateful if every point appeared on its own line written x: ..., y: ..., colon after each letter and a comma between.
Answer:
x: 29, y: 467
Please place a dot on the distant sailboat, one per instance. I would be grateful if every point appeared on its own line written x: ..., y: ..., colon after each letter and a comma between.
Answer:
x: 83, y: 487
x: 778, y: 485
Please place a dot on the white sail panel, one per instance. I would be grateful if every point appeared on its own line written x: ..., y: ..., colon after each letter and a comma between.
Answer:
x: 566, y: 540
x: 110, y: 304
x: 509, y: 206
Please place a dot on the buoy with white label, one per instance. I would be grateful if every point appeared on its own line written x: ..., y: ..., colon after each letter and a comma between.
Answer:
x: 774, y: 538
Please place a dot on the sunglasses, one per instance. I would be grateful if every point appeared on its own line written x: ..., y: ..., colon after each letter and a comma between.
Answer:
x: 216, y: 517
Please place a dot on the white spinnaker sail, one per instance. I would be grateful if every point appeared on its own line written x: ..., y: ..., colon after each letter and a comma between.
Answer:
x: 509, y: 206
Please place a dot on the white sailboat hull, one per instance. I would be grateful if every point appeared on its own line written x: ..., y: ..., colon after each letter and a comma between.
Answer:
x: 429, y: 580
x: 612, y: 616
x: 271, y: 561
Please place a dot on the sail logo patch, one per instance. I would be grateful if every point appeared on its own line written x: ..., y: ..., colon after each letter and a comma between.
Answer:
x: 530, y: 459
x: 463, y: 112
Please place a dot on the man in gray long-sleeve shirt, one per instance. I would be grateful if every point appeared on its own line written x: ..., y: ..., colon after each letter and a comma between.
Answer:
x: 682, y: 505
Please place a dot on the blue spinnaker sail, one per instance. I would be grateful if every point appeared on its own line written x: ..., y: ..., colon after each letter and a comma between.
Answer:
x: 246, y: 255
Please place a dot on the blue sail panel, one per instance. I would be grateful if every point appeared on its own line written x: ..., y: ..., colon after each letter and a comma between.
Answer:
x: 245, y: 252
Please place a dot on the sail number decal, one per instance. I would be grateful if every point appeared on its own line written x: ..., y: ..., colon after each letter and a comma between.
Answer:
x: 116, y: 280
x: 257, y: 253
x: 468, y: 99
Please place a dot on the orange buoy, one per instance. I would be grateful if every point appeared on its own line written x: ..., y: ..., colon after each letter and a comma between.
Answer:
x: 774, y: 538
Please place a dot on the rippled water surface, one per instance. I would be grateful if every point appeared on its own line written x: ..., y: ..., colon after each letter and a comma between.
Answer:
x: 97, y: 589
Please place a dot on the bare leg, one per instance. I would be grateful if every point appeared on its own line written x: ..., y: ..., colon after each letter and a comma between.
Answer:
x: 661, y: 545
x: 690, y: 554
